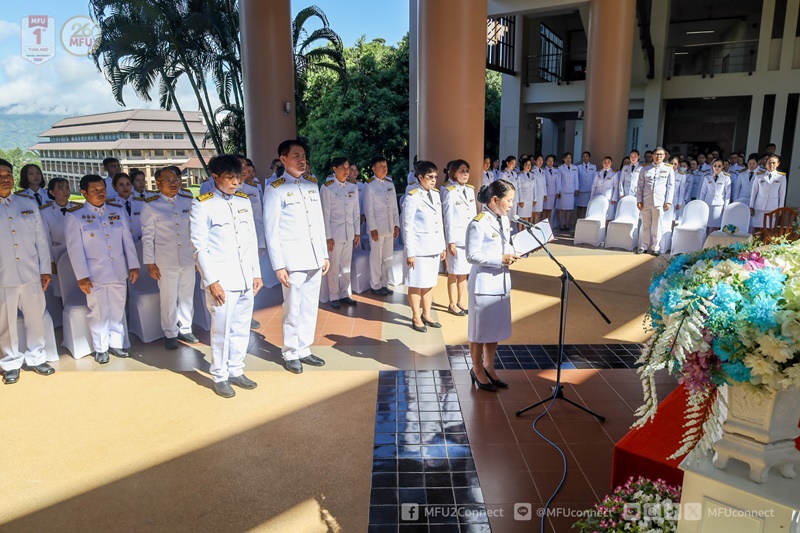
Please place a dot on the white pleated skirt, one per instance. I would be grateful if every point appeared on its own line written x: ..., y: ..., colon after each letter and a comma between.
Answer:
x: 425, y: 273
x: 457, y: 264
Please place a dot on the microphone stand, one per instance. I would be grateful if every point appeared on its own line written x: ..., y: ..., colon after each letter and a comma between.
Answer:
x: 566, y: 278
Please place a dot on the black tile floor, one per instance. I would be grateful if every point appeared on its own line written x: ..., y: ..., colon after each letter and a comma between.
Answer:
x: 545, y: 356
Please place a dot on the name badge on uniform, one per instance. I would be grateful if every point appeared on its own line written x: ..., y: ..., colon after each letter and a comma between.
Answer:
x: 26, y: 213
x: 186, y: 210
x: 312, y: 191
x: 137, y: 213
x: 459, y: 202
x: 114, y: 217
x: 390, y: 188
x: 495, y: 235
x: 290, y: 193
x: 244, y: 210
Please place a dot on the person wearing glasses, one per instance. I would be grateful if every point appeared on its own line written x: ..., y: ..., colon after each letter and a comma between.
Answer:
x: 424, y: 244
x: 716, y: 192
x: 24, y: 276
x: 167, y: 254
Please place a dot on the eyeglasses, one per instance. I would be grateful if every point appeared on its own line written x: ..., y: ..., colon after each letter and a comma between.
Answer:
x: 171, y: 181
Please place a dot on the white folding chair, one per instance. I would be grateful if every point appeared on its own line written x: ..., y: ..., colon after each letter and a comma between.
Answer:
x: 736, y: 214
x: 592, y: 229
x: 359, y: 271
x: 201, y: 317
x: 691, y: 234
x: 50, y: 346
x: 53, y: 304
x: 144, y: 304
x: 398, y: 264
x: 623, y: 231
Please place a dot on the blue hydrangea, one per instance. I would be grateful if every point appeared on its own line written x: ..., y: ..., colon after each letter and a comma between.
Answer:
x: 765, y: 281
x: 761, y: 313
x: 737, y: 371
x: 670, y: 299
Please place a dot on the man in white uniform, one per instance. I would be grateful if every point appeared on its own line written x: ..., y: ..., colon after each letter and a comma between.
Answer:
x: 383, y: 224
x: 744, y: 181
x: 24, y: 276
x: 769, y: 191
x: 167, y: 254
x: 341, y: 216
x: 654, y: 196
x: 586, y: 175
x: 295, y: 231
x: 629, y: 176
x: 103, y: 256
x: 111, y: 167
x: 226, y: 253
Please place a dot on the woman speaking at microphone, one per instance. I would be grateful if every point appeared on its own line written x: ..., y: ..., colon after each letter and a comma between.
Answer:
x: 490, y: 252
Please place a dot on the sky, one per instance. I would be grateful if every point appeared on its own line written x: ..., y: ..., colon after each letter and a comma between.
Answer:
x: 71, y: 85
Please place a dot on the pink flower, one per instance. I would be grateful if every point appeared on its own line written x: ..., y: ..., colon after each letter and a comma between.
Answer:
x: 752, y: 260
x: 697, y: 370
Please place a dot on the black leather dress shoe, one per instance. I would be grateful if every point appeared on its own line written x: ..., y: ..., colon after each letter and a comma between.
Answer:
x: 171, y: 344
x: 431, y: 324
x: 188, y: 338
x: 459, y: 312
x: 336, y: 304
x: 44, y: 369
x: 496, y: 382
x: 312, y: 360
x: 466, y: 311
x: 387, y: 290
x: 11, y: 376
x: 243, y: 382
x: 254, y: 324
x: 421, y: 329
x: 483, y: 386
x: 294, y: 366
x: 224, y: 389
x: 119, y: 352
x: 379, y: 292
x: 101, y: 357
x: 348, y: 301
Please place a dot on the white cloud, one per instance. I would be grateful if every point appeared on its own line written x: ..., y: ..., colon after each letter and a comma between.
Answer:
x: 8, y: 29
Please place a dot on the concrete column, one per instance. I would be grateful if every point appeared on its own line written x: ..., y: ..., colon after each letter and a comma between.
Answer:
x: 413, y: 119
x: 608, y: 78
x: 779, y: 121
x: 765, y: 35
x: 452, y: 82
x: 793, y: 185
x: 652, y: 121
x: 268, y: 71
x: 513, y: 117
x: 754, y: 128
x: 789, y: 30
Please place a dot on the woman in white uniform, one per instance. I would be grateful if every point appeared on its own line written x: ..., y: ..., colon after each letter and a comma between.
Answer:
x: 716, y: 192
x: 526, y: 191
x: 540, y: 189
x: 551, y: 181
x: 458, y: 204
x: 53, y: 213
x: 490, y: 252
x: 131, y: 203
x: 567, y: 191
x: 424, y: 244
x: 488, y: 174
x: 606, y: 183
x: 510, y: 175
x: 32, y: 181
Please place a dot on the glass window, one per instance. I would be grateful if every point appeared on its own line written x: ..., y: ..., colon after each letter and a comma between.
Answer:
x: 180, y: 153
x: 134, y: 135
x: 168, y: 136
x: 179, y: 135
x: 156, y: 136
x: 551, y: 54
x: 158, y: 153
x: 136, y: 153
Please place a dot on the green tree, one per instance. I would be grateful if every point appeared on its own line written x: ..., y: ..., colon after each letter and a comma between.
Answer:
x: 370, y: 117
x: 491, y: 128
x: 18, y: 158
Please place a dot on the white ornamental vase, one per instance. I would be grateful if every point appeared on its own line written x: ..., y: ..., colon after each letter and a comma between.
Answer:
x: 760, y: 430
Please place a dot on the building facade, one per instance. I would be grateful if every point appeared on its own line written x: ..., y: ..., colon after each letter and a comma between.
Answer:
x: 147, y: 139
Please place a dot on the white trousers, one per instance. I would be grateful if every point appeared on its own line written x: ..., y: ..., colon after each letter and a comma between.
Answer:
x: 29, y: 299
x: 230, y: 333
x: 176, y: 288
x: 339, y: 273
x: 380, y: 260
x: 300, y: 309
x: 106, y: 311
x: 650, y: 234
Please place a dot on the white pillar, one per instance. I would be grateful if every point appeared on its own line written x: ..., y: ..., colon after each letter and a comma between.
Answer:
x: 779, y: 121
x: 793, y: 191
x: 652, y: 126
x: 789, y: 30
x: 754, y: 129
x: 413, y: 120
x: 511, y: 108
x: 765, y: 36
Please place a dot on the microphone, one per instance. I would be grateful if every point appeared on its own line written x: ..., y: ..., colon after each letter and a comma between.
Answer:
x: 523, y: 222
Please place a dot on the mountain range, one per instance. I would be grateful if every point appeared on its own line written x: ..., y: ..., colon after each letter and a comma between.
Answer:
x: 21, y: 131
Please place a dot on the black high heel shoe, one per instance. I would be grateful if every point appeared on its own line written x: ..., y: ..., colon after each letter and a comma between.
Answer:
x: 483, y: 386
x: 431, y: 324
x: 496, y: 382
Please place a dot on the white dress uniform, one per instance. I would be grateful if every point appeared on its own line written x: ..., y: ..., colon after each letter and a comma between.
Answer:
x: 365, y: 240
x: 225, y: 249
x: 380, y: 208
x: 551, y: 181
x: 295, y: 230
x: 680, y: 197
x: 341, y: 216
x: 207, y: 186
x: 655, y: 188
x: 424, y: 237
x: 412, y: 179
x: 256, y: 202
x: 166, y: 243
x: 540, y: 189
x: 629, y: 179
x: 459, y: 207
x: 25, y: 257
x: 110, y: 191
x: 586, y: 176
x: 512, y: 177
x: 488, y: 239
x: 606, y: 183
x: 488, y: 177
x: 53, y: 217
x: 716, y: 192
x: 526, y: 193
x: 101, y: 248
x: 40, y: 196
x: 768, y: 194
x: 132, y: 207
x: 744, y: 187
x: 697, y: 178
x: 567, y: 185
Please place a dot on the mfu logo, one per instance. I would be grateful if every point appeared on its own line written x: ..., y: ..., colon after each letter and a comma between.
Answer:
x: 38, y: 38
x: 80, y: 36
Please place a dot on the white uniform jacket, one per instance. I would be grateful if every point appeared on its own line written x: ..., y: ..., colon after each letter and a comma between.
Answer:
x: 606, y: 183
x: 568, y: 179
x: 656, y: 185
x: 743, y: 187
x: 716, y: 192
x: 166, y: 241
x: 224, y: 242
x: 586, y: 175
x: 459, y: 207
x: 54, y: 222
x: 294, y: 224
x: 682, y: 188
x: 99, y: 243
x: 340, y: 210
x: 422, y: 223
x: 380, y: 205
x: 253, y: 192
x: 26, y: 252
x: 629, y: 179
x: 487, y: 242
x: 769, y: 191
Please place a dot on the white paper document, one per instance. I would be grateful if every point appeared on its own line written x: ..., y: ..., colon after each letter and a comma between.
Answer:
x: 524, y: 243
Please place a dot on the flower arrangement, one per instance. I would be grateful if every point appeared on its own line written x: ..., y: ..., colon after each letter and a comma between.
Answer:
x: 638, y: 506
x: 723, y: 316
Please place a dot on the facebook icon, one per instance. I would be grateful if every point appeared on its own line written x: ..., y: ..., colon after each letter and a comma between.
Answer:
x: 409, y: 512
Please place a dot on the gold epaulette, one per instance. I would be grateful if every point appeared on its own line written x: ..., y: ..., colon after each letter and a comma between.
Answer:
x: 75, y: 208
x: 451, y: 188
x: 435, y: 190
x: 151, y: 199
x: 413, y: 191
x: 310, y: 178
x: 352, y: 180
x: 45, y: 206
x: 140, y: 199
x: 112, y: 203
x: 471, y: 186
x: 781, y: 173
x: 278, y: 182
x: 251, y: 183
x: 370, y: 180
x: 24, y: 195
x: 726, y: 174
x: 206, y: 196
x: 183, y: 192
x: 240, y: 194
x: 329, y: 183
x: 478, y: 217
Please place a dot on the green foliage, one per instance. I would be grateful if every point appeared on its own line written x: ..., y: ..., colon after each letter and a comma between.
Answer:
x: 23, y: 130
x: 491, y: 131
x: 19, y: 157
x: 368, y: 118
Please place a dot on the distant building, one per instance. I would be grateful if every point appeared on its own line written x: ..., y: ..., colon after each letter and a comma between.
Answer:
x: 146, y: 139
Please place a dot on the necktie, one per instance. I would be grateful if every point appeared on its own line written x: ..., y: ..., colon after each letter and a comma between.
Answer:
x: 751, y: 177
x: 430, y: 197
x: 64, y: 211
x: 128, y: 206
x: 500, y: 221
x: 632, y: 167
x: 605, y: 173
x: 464, y: 190
x: 38, y: 199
